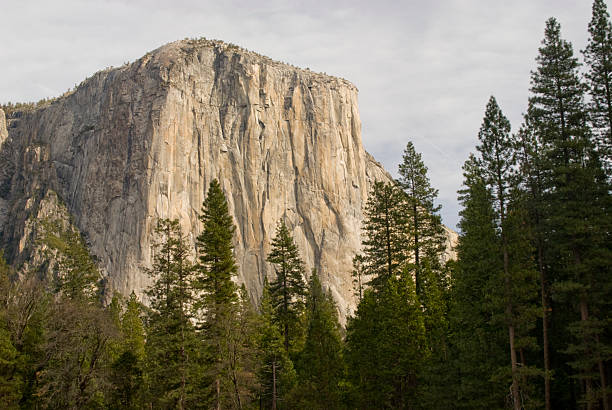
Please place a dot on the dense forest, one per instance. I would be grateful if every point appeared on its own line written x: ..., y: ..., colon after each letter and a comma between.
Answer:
x: 521, y: 319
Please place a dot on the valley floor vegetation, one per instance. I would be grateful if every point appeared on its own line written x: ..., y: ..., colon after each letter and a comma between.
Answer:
x: 521, y: 319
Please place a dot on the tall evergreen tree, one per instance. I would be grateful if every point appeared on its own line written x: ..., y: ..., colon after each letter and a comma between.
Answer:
x: 385, y: 345
x: 76, y: 274
x: 320, y: 365
x: 171, y: 347
x: 127, y: 368
x: 497, y: 150
x: 11, y: 385
x: 276, y: 374
x: 426, y: 231
x: 598, y: 57
x: 288, y: 289
x: 478, y: 346
x: 219, y: 293
x: 241, y: 359
x: 386, y: 232
x: 579, y: 201
x: 533, y: 182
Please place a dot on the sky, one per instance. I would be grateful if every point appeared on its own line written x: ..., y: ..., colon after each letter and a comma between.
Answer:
x: 424, y: 69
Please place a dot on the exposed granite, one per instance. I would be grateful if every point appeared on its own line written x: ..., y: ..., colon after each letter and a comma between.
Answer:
x: 143, y: 141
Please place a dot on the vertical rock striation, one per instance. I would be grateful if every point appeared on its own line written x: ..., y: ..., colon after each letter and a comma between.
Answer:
x: 143, y: 141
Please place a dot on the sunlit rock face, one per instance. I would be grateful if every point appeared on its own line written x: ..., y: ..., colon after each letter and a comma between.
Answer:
x: 143, y: 141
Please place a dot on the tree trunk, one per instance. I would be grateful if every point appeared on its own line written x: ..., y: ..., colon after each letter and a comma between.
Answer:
x: 235, y: 380
x: 417, y: 272
x: 602, y: 380
x: 273, y: 385
x: 584, y: 316
x: 545, y: 343
x: 513, y: 361
x: 516, y: 399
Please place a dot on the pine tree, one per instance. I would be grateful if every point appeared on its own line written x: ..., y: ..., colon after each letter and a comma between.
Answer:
x: 426, y: 231
x: 76, y: 275
x: 24, y: 313
x: 127, y: 368
x: 241, y: 362
x: 598, y: 57
x: 172, y: 361
x: 386, y: 232
x: 276, y: 374
x: 219, y: 302
x: 498, y: 162
x: 10, y: 383
x: 427, y: 239
x: 320, y: 365
x: 579, y: 202
x: 288, y: 289
x: 385, y: 343
x: 477, y: 346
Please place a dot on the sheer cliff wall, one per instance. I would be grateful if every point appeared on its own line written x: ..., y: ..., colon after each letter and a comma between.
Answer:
x: 143, y: 141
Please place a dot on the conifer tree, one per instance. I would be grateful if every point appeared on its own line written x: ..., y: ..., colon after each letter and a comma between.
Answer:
x: 579, y: 202
x: 385, y: 345
x: 426, y: 231
x: 498, y: 162
x: 241, y: 359
x: 288, y: 289
x: 127, y: 368
x: 477, y: 345
x: 598, y: 57
x: 276, y: 374
x: 533, y: 182
x: 171, y: 349
x: 10, y: 384
x: 220, y: 302
x: 386, y: 232
x: 24, y: 313
x: 320, y: 366
x: 72, y: 371
x: 76, y: 273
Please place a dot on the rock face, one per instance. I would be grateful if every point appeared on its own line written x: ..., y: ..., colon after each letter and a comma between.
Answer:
x: 143, y: 141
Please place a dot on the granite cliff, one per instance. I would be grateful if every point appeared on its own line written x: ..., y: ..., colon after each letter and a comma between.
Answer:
x: 143, y: 141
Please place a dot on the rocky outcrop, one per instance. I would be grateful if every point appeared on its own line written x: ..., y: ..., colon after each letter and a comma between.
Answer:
x: 143, y: 141
x: 3, y: 130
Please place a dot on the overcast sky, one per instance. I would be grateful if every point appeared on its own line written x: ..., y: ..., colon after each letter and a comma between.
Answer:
x: 424, y: 69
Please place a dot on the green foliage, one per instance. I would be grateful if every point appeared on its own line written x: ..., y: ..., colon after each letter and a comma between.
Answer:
x: 76, y: 355
x: 579, y: 200
x: 172, y: 356
x: 126, y: 375
x: 219, y: 300
x: 288, y: 289
x: 386, y: 233
x: 217, y: 264
x: 11, y: 384
x: 319, y: 365
x: 425, y: 230
x: 276, y: 375
x: 76, y: 275
x: 385, y: 343
x: 598, y: 58
x: 478, y: 347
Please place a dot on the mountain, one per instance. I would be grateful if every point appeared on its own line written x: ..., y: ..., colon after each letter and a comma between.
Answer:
x: 143, y: 141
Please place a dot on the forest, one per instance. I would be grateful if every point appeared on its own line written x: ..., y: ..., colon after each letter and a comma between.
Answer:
x: 520, y: 320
